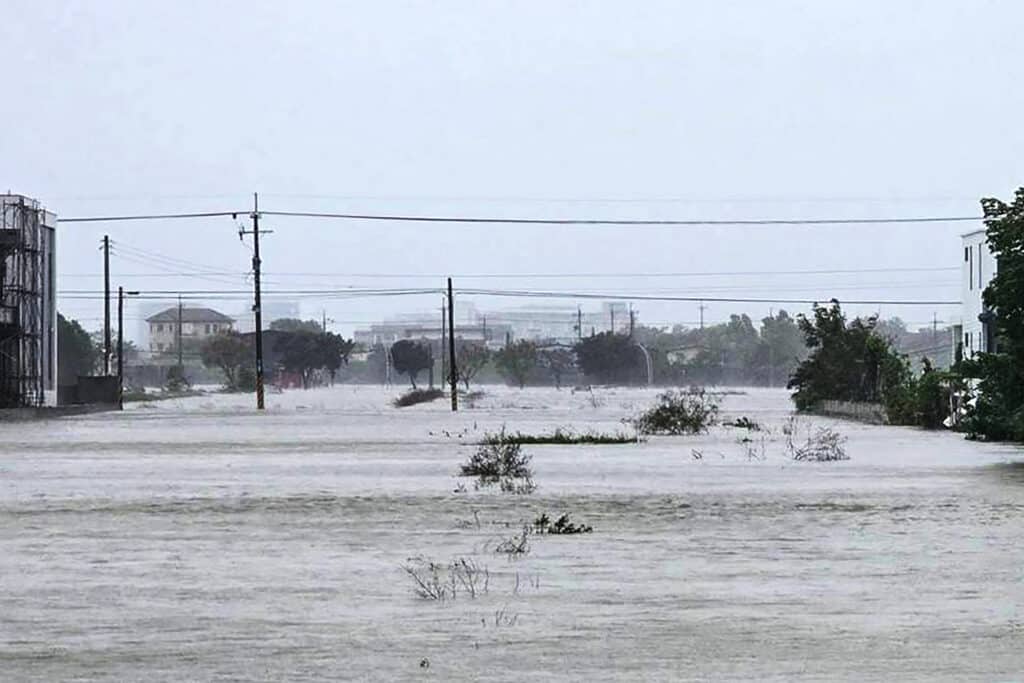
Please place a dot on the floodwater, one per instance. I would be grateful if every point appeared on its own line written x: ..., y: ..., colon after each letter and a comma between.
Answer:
x: 197, y: 540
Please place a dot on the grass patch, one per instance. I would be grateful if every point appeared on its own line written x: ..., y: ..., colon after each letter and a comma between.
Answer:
x: 560, y: 436
x: 411, y: 398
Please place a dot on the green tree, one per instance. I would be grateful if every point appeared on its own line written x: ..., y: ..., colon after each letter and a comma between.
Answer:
x: 470, y: 359
x: 230, y: 353
x: 557, y: 361
x: 848, y: 361
x: 295, y: 325
x: 998, y: 412
x: 300, y: 352
x: 411, y: 358
x: 334, y: 352
x: 608, y: 358
x: 516, y: 361
x: 76, y: 353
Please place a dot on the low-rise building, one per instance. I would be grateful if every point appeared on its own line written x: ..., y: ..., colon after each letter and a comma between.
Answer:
x: 975, y: 333
x: 196, y: 324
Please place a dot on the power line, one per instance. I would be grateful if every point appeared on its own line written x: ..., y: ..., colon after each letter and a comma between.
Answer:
x: 637, y: 222
x: 695, y: 299
x: 149, y: 217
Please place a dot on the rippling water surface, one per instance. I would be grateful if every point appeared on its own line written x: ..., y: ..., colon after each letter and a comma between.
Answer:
x: 196, y: 540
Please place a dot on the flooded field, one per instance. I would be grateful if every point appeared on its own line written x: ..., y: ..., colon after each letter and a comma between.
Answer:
x: 197, y: 540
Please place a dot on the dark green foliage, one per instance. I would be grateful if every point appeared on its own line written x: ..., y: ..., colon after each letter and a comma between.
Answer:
x: 560, y: 436
x: 680, y: 412
x: 609, y: 358
x: 516, y: 361
x: 76, y: 354
x: 561, y: 526
x: 998, y: 412
x: 411, y: 398
x: 230, y: 353
x: 847, y: 361
x: 296, y: 325
x: 304, y: 352
x: 411, y: 358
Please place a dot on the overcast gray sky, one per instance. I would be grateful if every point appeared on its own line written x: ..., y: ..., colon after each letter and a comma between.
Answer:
x: 529, y: 109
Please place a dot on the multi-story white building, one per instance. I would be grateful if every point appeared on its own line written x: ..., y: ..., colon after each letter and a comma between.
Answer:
x: 197, y: 324
x: 977, y: 268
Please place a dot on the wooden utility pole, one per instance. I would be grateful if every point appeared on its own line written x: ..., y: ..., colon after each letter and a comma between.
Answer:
x: 453, y: 374
x: 106, y: 305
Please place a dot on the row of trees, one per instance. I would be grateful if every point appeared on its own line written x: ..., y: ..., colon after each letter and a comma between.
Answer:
x: 734, y: 352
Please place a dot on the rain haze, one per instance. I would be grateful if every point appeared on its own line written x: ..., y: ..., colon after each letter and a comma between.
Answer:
x: 578, y: 463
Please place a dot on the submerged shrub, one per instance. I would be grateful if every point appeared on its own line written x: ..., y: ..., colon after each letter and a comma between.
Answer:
x: 745, y: 423
x: 823, y: 445
x: 500, y: 461
x: 411, y: 398
x: 561, y: 526
x: 680, y: 412
x: 435, y: 581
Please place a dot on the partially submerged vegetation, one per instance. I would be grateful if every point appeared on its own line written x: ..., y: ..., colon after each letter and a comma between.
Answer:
x: 679, y: 412
x: 415, y: 396
x: 440, y: 582
x: 561, y: 526
x: 820, y: 444
x: 561, y: 436
x: 501, y: 463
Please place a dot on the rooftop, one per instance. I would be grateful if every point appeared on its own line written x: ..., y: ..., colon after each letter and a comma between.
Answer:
x: 190, y: 315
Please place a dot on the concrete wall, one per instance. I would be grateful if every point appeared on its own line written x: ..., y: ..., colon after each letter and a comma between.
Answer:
x: 872, y: 413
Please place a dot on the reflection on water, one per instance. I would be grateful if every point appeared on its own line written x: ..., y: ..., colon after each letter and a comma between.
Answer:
x: 198, y: 541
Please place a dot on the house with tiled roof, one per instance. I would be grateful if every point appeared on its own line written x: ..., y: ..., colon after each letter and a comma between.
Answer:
x: 196, y: 325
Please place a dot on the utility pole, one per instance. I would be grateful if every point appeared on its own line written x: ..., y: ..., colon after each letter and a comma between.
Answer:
x: 935, y: 326
x: 611, y: 310
x: 453, y: 374
x: 323, y: 323
x: 256, y: 306
x: 632, y: 321
x: 106, y: 305
x: 444, y: 341
x: 181, y: 355
x: 120, y: 348
x: 702, y: 307
x: 120, y: 345
x: 579, y: 323
x: 485, y: 330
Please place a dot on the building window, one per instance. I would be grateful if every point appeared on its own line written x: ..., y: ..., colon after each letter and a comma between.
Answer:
x: 159, y: 328
x: 970, y: 268
x: 207, y: 329
x: 159, y: 347
x: 979, y: 267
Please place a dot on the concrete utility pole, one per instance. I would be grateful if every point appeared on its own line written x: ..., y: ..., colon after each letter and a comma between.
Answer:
x: 257, y: 307
x: 120, y: 345
x: 453, y: 373
x: 579, y: 323
x: 444, y: 341
x: 611, y: 310
x: 181, y: 355
x: 632, y: 321
x: 106, y: 305
x: 702, y: 307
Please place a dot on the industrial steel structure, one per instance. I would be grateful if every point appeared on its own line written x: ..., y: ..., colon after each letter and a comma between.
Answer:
x: 28, y: 316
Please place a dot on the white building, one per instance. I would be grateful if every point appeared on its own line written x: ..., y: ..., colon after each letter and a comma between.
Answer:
x: 977, y: 269
x: 197, y: 324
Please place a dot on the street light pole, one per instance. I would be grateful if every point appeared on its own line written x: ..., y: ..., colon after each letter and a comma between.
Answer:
x: 120, y: 345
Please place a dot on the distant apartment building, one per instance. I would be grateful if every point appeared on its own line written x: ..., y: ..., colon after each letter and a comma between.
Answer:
x: 197, y: 324
x: 975, y: 333
x: 560, y: 324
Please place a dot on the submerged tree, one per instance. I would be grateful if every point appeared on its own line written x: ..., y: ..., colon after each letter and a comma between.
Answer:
x: 470, y: 359
x: 76, y: 353
x: 557, y: 361
x: 608, y: 357
x: 516, y: 361
x: 230, y: 353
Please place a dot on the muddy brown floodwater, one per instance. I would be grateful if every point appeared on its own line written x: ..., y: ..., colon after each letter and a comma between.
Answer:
x: 196, y: 540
